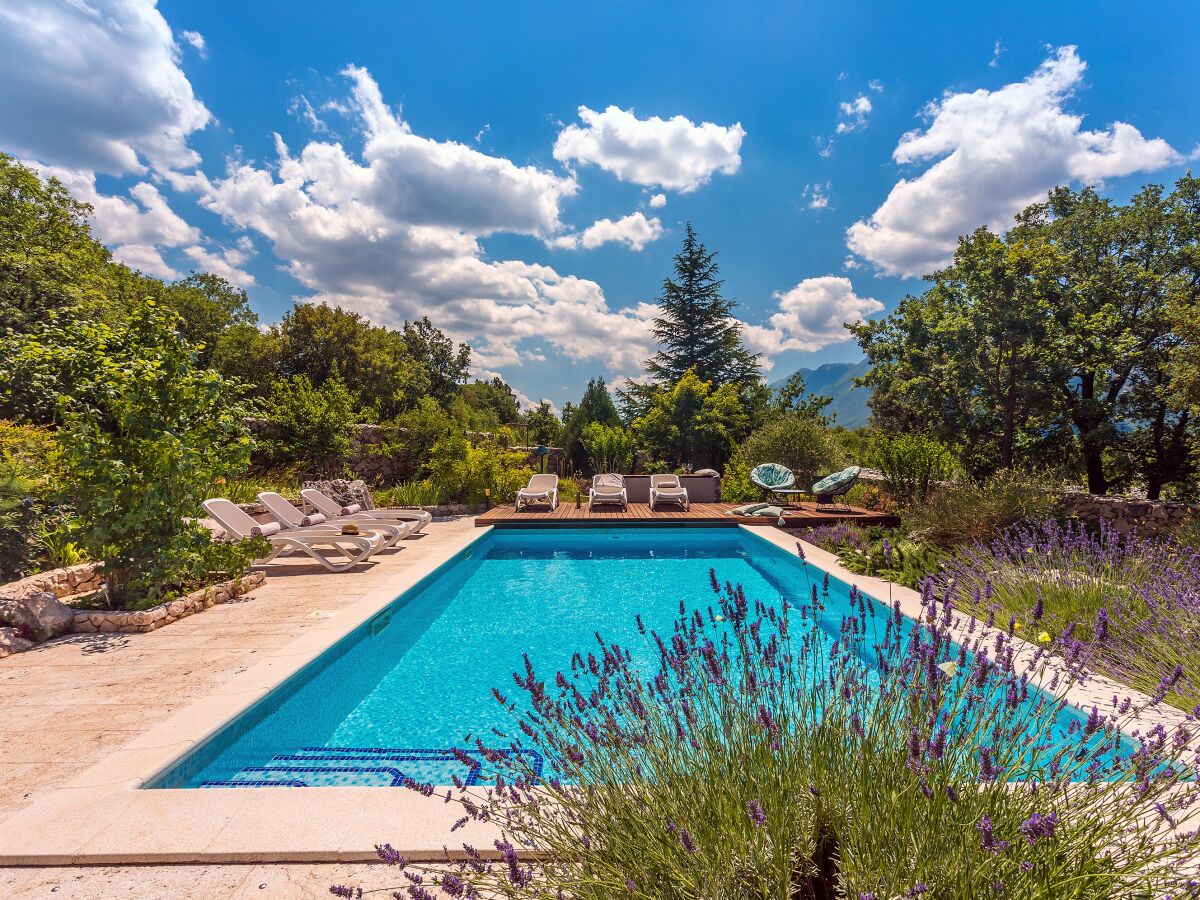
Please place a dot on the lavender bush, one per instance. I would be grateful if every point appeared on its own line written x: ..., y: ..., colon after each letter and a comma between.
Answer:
x: 811, y: 753
x: 1127, y: 607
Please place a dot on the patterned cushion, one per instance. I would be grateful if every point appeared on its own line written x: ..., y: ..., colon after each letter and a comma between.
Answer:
x: 770, y: 476
x: 838, y: 481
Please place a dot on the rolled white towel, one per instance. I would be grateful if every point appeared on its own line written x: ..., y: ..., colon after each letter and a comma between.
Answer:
x: 314, y: 519
x: 265, y: 529
x: 351, y: 509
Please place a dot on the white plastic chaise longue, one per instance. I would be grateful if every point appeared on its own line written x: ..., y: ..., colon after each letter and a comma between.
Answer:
x: 540, y: 487
x: 667, y: 489
x: 283, y: 512
x: 608, y: 488
x: 356, y: 548
x: 331, y: 509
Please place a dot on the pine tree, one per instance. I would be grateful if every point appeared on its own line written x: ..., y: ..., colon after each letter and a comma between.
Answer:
x: 697, y: 328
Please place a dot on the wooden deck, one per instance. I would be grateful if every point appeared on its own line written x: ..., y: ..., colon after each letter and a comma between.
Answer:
x: 700, y: 514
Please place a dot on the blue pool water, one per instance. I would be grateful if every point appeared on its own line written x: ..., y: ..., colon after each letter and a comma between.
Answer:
x: 394, y: 697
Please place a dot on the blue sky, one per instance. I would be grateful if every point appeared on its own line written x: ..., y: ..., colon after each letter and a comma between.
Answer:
x: 521, y: 173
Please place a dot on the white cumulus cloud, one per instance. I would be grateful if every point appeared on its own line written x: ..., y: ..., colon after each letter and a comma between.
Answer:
x: 223, y: 261
x: 675, y: 153
x: 136, y: 228
x: 658, y: 201
x: 816, y: 196
x: 810, y: 316
x: 95, y: 85
x: 634, y: 230
x: 990, y: 154
x: 854, y: 114
x: 196, y: 40
x: 394, y: 232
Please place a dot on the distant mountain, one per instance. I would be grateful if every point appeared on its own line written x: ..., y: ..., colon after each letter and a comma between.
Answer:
x: 836, y: 380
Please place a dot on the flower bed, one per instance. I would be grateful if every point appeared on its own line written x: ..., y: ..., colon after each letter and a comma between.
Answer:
x: 143, y: 620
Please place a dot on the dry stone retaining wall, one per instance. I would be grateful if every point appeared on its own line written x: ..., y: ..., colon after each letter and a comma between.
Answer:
x: 81, y: 579
x: 143, y: 620
x: 1125, y: 515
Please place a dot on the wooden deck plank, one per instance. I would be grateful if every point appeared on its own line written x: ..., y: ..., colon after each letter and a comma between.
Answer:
x: 567, y: 515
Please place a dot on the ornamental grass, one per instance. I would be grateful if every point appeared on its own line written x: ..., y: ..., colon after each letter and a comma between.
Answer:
x: 816, y: 751
x: 1125, y: 606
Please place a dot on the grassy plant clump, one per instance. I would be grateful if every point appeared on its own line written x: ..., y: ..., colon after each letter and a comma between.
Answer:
x: 966, y: 512
x: 408, y: 493
x: 809, y: 752
x: 1127, y: 606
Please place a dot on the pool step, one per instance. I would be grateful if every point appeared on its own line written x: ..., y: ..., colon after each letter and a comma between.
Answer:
x: 365, y: 767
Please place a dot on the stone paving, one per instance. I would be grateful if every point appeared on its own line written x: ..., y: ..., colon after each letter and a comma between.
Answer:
x: 70, y: 702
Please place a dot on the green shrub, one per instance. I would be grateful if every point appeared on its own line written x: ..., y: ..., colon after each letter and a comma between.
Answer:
x: 140, y: 449
x: 416, y: 431
x: 912, y: 465
x: 309, y: 425
x: 964, y: 512
x: 28, y: 461
x: 609, y: 447
x: 736, y: 486
x: 801, y: 443
x: 894, y: 557
x: 465, y: 473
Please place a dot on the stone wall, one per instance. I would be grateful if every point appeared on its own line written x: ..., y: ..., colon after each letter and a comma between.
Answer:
x: 82, y: 579
x: 90, y: 621
x: 1147, y: 517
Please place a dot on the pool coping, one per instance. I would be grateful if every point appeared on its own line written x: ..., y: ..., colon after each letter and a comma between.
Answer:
x: 102, y: 816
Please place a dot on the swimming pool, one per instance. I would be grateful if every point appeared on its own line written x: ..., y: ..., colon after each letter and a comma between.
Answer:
x: 394, y: 698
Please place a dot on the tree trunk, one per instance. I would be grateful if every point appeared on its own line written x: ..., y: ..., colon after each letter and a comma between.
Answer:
x: 1008, y: 433
x: 1086, y: 421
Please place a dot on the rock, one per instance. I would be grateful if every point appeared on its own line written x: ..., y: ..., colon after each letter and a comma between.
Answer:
x: 15, y: 615
x: 11, y: 642
x: 52, y: 615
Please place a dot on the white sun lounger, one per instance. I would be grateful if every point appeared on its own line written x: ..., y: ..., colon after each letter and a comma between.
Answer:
x: 608, y: 488
x: 289, y: 517
x: 540, y: 487
x: 239, y: 526
x: 330, y: 508
x: 667, y: 489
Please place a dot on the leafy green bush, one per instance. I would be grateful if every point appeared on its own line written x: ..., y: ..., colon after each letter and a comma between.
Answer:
x: 880, y: 552
x: 736, y: 486
x: 894, y: 557
x: 609, y: 447
x: 309, y: 425
x: 811, y: 753
x: 140, y: 447
x: 801, y: 443
x: 28, y: 460
x: 415, y: 432
x: 912, y: 465
x: 462, y: 472
x: 964, y: 512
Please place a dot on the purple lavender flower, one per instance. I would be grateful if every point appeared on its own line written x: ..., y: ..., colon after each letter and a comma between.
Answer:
x: 686, y: 840
x: 987, y: 837
x: 1038, y: 826
x: 757, y: 816
x: 630, y: 885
